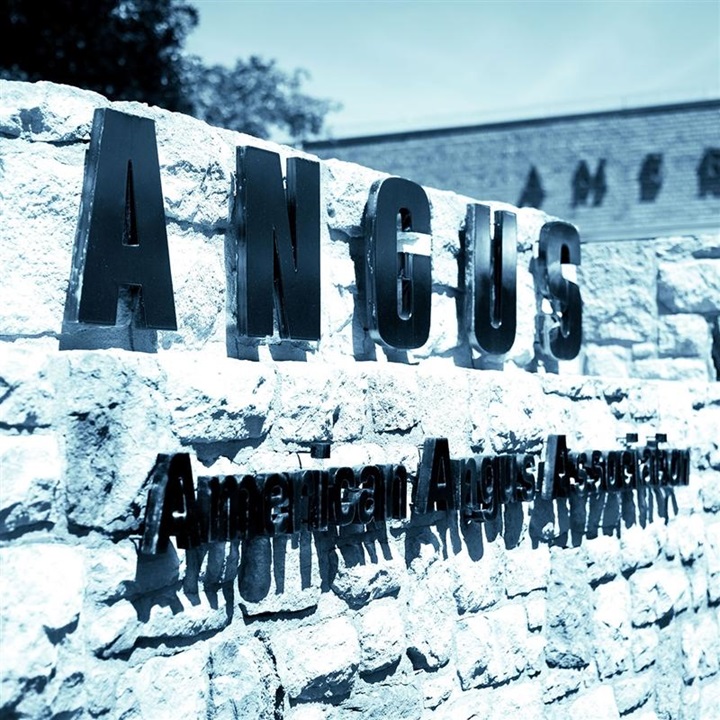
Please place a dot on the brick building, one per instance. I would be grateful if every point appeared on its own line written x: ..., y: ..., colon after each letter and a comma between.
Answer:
x: 618, y: 175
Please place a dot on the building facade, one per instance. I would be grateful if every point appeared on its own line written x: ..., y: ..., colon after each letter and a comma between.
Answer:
x: 625, y: 174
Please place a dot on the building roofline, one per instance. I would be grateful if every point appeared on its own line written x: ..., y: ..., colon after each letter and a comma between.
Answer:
x: 508, y: 124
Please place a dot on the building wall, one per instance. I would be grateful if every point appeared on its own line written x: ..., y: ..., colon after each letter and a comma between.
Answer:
x: 601, y: 606
x: 492, y: 162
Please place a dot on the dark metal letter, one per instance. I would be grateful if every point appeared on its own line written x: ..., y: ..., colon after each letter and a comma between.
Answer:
x: 561, y: 332
x: 491, y: 277
x: 398, y: 277
x: 278, y: 245
x: 122, y: 239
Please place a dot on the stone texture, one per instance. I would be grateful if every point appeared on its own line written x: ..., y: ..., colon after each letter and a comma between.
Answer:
x: 382, y: 635
x: 612, y: 628
x: 700, y: 649
x: 658, y: 593
x: 684, y: 336
x: 41, y: 597
x: 360, y: 579
x: 29, y: 481
x: 596, y: 704
x: 570, y: 603
x: 326, y: 672
x: 492, y: 648
x: 689, y: 286
x: 620, y: 303
x: 607, y: 360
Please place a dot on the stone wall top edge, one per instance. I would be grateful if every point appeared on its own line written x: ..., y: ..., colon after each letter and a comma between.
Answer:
x: 61, y: 114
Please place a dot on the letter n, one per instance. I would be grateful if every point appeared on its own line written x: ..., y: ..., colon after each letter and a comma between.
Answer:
x: 122, y: 239
x: 278, y: 245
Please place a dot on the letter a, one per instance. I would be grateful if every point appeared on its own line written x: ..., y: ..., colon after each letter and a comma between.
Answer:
x: 122, y: 239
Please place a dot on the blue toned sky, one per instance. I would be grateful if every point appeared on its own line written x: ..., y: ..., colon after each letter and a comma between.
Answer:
x: 397, y: 65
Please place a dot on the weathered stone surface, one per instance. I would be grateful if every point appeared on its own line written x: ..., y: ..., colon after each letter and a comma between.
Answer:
x: 558, y: 683
x: 700, y: 648
x: 570, y: 604
x: 360, y: 578
x: 492, y: 648
x: 326, y: 672
x: 640, y: 546
x: 713, y: 562
x: 41, y: 596
x: 619, y: 304
x: 612, y: 628
x: 657, y: 593
x: 229, y: 404
x: 596, y: 704
x: 633, y: 692
x: 30, y: 469
x: 243, y: 683
x: 675, y: 369
x: 690, y: 286
x: 27, y: 389
x: 478, y: 583
x: 520, y: 699
x: 684, y: 336
x: 430, y: 635
x: 396, y: 696
x: 115, y: 426
x: 603, y: 558
x: 607, y: 360
x: 644, y: 645
x: 155, y: 688
x: 382, y: 635
x: 527, y: 571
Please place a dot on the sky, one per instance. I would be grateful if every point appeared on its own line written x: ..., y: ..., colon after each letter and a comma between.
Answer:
x: 398, y: 65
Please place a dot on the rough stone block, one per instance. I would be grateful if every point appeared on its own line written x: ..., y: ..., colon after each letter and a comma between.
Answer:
x: 359, y: 579
x: 658, y: 593
x: 639, y: 546
x: 684, y: 336
x: 318, y: 661
x: 619, y: 301
x: 690, y: 286
x: 41, y: 597
x: 243, y: 683
x: 154, y: 688
x: 382, y: 635
x: 570, y: 604
x: 644, y: 642
x: 527, y: 570
x: 700, y: 648
x: 30, y: 476
x: 633, y: 692
x: 560, y: 683
x: 603, y: 558
x: 607, y: 360
x: 612, y: 628
x: 492, y: 648
x: 596, y: 704
x: 671, y: 369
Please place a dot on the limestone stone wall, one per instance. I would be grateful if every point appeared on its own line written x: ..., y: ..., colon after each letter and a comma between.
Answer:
x: 598, y: 607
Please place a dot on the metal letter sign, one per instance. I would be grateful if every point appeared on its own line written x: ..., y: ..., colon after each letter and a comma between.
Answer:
x: 561, y: 332
x: 491, y: 277
x: 398, y: 275
x: 278, y: 245
x: 122, y: 240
